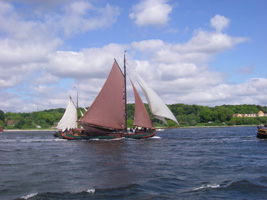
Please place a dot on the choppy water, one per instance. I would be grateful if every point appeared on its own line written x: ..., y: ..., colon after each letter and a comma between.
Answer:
x: 200, y: 163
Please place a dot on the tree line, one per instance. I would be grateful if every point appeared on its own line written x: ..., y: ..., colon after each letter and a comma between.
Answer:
x: 187, y: 115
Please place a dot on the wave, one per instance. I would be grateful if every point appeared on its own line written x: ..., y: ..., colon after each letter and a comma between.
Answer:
x: 155, y: 137
x: 105, y: 140
x: 226, y: 189
x: 245, y: 185
x: 60, y: 140
x: 208, y: 186
x: 242, y: 185
x: 40, y: 140
x: 64, y: 195
x: 101, y: 193
x: 91, y: 191
x: 31, y: 140
x: 29, y: 196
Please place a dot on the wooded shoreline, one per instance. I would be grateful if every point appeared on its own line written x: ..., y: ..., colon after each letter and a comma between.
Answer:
x: 187, y: 116
x: 165, y: 128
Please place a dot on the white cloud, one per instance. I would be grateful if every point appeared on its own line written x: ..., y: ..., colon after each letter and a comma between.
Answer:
x: 219, y: 22
x: 178, y: 72
x: 88, y: 63
x: 151, y: 13
x: 29, y: 43
x: 182, y: 69
x: 210, y: 42
x: 149, y: 45
x: 74, y: 18
x: 198, y: 49
x: 14, y: 52
x: 246, y: 93
x: 78, y: 17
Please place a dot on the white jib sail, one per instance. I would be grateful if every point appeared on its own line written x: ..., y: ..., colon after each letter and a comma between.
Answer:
x: 69, y: 119
x: 157, y: 107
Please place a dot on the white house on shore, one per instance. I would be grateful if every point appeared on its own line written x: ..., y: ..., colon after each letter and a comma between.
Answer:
x: 260, y: 114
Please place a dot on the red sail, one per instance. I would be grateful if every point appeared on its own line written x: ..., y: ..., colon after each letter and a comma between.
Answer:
x: 141, y: 117
x: 108, y: 108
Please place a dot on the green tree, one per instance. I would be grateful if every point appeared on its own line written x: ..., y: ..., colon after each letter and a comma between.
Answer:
x: 179, y: 111
x: 205, y: 114
x: 214, y: 115
x: 224, y: 114
x: 47, y: 117
x: 129, y: 123
x: 192, y: 119
x: 232, y: 122
x: 2, y: 116
x: 20, y: 124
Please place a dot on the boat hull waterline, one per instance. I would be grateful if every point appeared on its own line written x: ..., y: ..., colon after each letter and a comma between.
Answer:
x: 139, y: 135
x: 262, y: 133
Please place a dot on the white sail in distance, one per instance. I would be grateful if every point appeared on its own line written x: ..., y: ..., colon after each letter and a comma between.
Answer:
x: 157, y: 107
x: 69, y: 119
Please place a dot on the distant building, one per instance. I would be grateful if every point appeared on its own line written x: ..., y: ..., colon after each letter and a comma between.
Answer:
x: 11, y: 123
x: 260, y: 114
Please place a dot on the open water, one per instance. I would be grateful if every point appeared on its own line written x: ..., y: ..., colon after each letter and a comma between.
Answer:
x: 197, y: 163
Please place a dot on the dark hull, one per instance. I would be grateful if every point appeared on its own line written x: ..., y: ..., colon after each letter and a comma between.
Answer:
x: 262, y: 133
x: 140, y: 135
x: 58, y: 134
x: 89, y: 137
x: 100, y: 131
x: 108, y: 135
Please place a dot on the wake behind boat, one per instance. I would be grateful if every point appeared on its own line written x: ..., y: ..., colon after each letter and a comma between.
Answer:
x: 107, y: 116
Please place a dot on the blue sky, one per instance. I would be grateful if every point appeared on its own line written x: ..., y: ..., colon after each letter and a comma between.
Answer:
x: 202, y: 52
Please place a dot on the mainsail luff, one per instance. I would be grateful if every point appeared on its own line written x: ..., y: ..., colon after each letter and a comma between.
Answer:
x: 77, y: 108
x: 125, y: 95
x: 69, y: 119
x: 141, y: 117
x: 157, y: 107
x: 107, y: 110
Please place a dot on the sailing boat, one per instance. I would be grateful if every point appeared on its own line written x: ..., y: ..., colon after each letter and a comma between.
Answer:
x: 107, y: 116
x: 69, y: 120
x: 262, y: 132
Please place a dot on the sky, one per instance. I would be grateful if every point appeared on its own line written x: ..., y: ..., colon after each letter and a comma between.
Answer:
x: 201, y: 52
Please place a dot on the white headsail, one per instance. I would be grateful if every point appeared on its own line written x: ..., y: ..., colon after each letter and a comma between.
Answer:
x: 157, y: 107
x: 69, y: 119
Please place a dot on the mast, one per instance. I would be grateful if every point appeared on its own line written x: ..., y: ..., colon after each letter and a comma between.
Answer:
x: 77, y: 107
x: 125, y: 94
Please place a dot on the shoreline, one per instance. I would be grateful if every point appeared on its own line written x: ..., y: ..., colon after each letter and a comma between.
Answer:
x: 218, y: 126
x: 165, y: 128
x: 17, y: 130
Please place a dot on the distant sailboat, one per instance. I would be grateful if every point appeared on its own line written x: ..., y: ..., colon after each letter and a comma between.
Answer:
x: 106, y: 118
